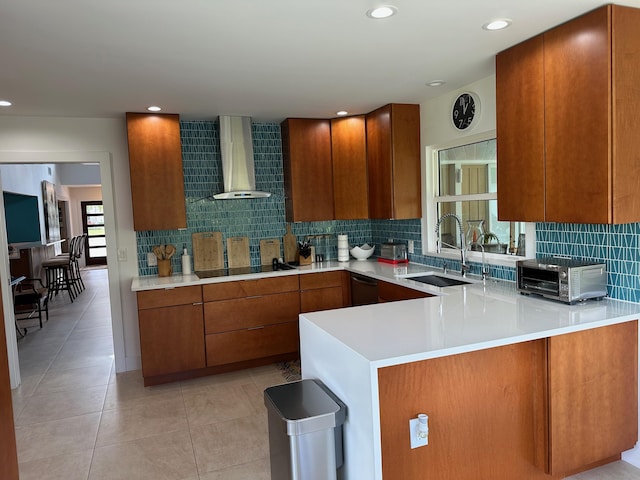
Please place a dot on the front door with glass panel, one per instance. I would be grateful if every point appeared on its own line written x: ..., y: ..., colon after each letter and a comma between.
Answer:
x: 93, y: 226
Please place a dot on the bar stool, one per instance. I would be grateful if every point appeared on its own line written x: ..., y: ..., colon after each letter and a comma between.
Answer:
x: 58, y: 271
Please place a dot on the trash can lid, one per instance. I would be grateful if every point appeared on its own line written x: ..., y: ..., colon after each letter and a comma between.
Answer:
x: 305, y: 406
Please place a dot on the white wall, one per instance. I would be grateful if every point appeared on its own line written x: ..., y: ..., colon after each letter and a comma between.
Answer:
x: 72, y: 174
x: 435, y: 114
x: 34, y: 139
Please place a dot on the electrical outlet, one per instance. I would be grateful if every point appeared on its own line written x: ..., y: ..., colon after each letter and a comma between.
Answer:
x: 410, y: 246
x: 419, y: 431
x: 122, y: 254
x: 152, y: 260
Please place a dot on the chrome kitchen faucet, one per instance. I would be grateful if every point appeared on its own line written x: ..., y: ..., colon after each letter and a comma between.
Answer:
x: 463, y: 262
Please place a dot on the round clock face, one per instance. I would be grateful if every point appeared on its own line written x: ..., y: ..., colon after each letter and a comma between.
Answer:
x: 464, y: 111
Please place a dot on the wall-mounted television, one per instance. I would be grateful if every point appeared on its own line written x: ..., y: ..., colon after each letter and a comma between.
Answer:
x: 22, y: 218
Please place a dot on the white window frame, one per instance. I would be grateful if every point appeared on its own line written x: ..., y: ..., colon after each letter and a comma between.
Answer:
x: 430, y: 208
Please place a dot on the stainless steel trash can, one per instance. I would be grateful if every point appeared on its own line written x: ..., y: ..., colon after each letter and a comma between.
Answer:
x: 305, y: 431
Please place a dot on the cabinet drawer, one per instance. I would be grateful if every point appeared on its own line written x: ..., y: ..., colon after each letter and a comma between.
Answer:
x: 390, y: 292
x: 321, y: 280
x: 167, y: 297
x: 249, y: 288
x: 321, y: 299
x: 240, y: 313
x: 240, y: 345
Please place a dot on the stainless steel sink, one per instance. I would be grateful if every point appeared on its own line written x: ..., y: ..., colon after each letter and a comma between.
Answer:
x: 439, y: 281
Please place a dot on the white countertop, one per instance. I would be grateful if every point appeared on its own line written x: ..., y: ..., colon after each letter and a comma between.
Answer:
x: 461, y: 319
x: 457, y: 319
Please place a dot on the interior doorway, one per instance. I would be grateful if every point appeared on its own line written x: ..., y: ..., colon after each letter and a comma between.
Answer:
x: 104, y: 161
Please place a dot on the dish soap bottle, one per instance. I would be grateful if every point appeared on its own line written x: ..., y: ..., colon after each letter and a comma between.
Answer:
x: 186, y: 261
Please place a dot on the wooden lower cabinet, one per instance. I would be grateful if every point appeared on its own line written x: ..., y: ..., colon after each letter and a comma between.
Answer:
x: 593, y: 396
x: 543, y: 409
x: 324, y: 291
x: 171, y: 331
x: 250, y: 312
x: 248, y: 320
x: 252, y: 343
x: 171, y: 339
x: 390, y: 292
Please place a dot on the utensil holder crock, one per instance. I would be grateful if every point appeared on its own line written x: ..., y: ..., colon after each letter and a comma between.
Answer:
x: 164, y: 268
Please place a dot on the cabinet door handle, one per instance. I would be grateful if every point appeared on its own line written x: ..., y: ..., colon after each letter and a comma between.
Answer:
x: 256, y: 328
x: 372, y: 283
x: 197, y: 303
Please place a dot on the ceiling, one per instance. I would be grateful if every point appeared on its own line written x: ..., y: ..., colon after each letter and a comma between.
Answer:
x: 268, y: 60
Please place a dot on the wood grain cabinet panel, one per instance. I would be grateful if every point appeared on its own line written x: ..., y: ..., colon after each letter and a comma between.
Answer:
x: 251, y: 319
x: 250, y: 344
x: 520, y: 95
x: 349, y: 158
x: 593, y: 396
x: 171, y: 331
x: 324, y: 291
x: 481, y: 416
x: 250, y: 312
x: 155, y: 164
x: 171, y: 339
x: 393, y: 159
x: 590, y: 94
x: 169, y: 297
x: 308, y: 177
x: 249, y: 288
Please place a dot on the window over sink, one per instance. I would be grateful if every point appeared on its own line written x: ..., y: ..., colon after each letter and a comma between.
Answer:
x: 462, y: 180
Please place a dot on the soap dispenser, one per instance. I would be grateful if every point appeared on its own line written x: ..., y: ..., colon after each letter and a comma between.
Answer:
x: 186, y: 261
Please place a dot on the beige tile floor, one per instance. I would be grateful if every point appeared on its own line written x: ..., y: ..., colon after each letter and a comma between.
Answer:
x: 77, y: 420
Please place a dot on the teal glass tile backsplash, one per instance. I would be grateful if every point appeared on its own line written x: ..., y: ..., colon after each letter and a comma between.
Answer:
x: 256, y: 218
x: 615, y: 245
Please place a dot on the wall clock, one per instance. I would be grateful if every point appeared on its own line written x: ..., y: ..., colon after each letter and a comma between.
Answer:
x: 465, y: 110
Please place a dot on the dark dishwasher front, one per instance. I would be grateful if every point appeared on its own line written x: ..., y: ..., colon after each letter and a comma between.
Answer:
x: 364, y: 290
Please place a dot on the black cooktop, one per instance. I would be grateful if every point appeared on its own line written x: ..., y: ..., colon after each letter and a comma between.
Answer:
x: 227, y: 272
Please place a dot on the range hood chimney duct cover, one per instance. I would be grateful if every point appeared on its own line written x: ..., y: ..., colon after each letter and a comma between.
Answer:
x: 236, y: 147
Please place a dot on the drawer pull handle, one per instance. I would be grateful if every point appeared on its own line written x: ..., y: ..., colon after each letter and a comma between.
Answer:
x: 197, y: 303
x: 256, y: 328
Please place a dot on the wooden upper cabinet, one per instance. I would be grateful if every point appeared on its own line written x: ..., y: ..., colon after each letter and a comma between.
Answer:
x: 308, y: 177
x: 393, y: 158
x: 349, y: 155
x: 577, y: 117
x: 590, y: 95
x: 520, y: 131
x: 155, y: 163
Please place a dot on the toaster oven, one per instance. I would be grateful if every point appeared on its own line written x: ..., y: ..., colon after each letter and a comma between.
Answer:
x: 564, y: 279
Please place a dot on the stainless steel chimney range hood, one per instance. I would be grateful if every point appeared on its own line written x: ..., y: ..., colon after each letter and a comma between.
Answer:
x: 236, y: 147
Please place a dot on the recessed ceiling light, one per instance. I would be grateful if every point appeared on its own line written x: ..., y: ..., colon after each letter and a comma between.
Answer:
x: 435, y: 83
x: 497, y: 24
x: 383, y: 11
x: 342, y: 113
x: 154, y: 109
x: 5, y: 103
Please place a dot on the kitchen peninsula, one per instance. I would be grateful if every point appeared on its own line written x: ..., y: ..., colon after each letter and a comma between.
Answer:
x: 514, y: 386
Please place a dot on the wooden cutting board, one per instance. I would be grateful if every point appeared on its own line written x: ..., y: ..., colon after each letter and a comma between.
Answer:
x: 269, y: 249
x: 208, y: 253
x: 290, y: 242
x: 238, y: 252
